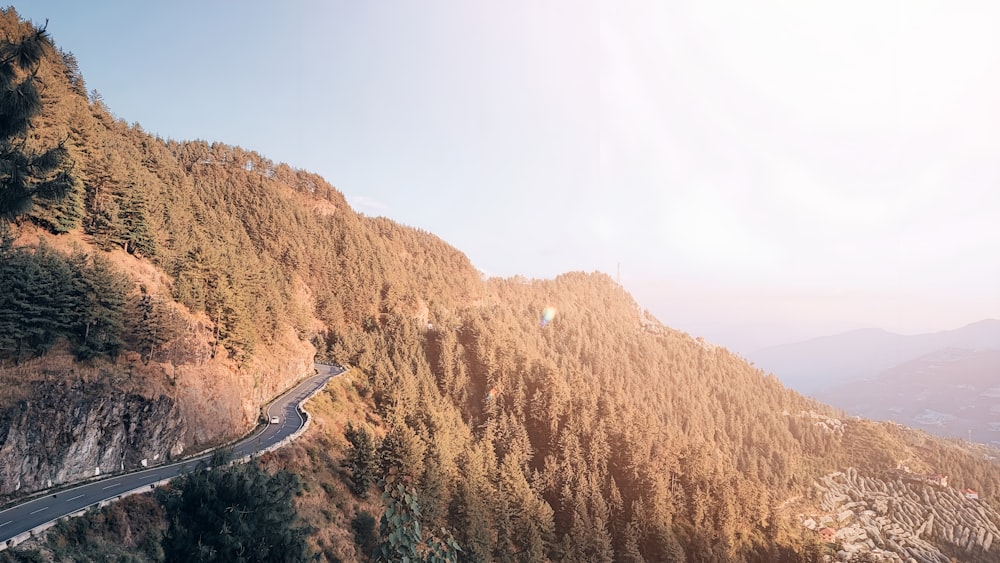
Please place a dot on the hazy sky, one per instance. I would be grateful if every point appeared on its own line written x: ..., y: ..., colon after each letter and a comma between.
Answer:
x: 763, y: 172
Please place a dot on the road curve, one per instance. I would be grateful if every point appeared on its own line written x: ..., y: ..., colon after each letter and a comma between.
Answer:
x: 42, y: 510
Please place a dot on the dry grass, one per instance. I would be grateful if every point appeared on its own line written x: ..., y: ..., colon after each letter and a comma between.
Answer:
x: 17, y: 382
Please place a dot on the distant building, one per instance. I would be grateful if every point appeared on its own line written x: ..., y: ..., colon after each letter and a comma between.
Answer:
x: 828, y: 534
x: 970, y: 494
x: 936, y: 479
x: 939, y: 479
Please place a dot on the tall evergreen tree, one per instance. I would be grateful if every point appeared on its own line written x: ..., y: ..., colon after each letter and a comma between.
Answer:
x: 361, y: 459
x: 151, y: 322
x: 24, y: 173
x: 36, y: 301
x: 102, y: 292
x: 238, y: 513
x: 136, y: 236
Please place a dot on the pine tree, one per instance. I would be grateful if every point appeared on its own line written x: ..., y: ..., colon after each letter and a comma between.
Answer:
x: 102, y: 291
x: 402, y: 454
x: 136, y: 235
x: 238, y: 513
x: 470, y: 515
x: 361, y: 459
x: 73, y: 74
x: 151, y: 322
x: 36, y: 301
x: 62, y: 213
x: 24, y: 173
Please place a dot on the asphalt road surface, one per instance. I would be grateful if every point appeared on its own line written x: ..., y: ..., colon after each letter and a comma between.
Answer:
x: 23, y: 517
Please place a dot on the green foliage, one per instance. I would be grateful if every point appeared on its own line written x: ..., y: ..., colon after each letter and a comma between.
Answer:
x: 117, y: 208
x: 45, y: 296
x: 128, y: 530
x: 63, y: 212
x: 401, y: 454
x: 363, y: 526
x: 152, y: 321
x: 16, y: 555
x: 236, y: 513
x: 470, y: 514
x: 361, y: 459
x: 136, y: 237
x: 25, y: 173
x: 38, y: 301
x: 401, y: 535
x: 102, y: 291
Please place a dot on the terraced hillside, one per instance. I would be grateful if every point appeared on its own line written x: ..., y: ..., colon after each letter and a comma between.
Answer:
x: 903, y: 516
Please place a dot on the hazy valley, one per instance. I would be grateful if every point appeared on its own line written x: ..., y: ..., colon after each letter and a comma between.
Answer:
x: 943, y: 382
x: 952, y: 392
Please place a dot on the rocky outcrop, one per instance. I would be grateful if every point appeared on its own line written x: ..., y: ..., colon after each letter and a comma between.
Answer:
x: 69, y: 431
x: 900, y: 519
x: 63, y: 420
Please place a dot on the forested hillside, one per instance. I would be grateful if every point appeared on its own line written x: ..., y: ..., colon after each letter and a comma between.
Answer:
x: 233, y: 264
x: 522, y: 420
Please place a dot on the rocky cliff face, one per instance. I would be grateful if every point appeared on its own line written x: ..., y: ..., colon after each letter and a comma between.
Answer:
x: 70, y: 431
x: 61, y: 419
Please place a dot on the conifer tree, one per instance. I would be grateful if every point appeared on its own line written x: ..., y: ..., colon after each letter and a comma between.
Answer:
x: 24, y: 173
x: 136, y: 235
x: 238, y: 513
x: 151, y: 322
x: 36, y: 301
x: 102, y: 292
x: 361, y: 459
x: 402, y: 453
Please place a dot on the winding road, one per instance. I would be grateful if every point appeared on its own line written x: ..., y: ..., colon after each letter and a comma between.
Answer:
x: 29, y: 515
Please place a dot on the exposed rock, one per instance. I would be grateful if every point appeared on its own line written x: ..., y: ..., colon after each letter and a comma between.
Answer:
x: 73, y: 422
x: 67, y: 432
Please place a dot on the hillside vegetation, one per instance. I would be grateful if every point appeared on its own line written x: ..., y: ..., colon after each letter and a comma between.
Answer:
x: 522, y: 420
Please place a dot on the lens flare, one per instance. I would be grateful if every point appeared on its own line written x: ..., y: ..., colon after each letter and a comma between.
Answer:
x: 548, y: 313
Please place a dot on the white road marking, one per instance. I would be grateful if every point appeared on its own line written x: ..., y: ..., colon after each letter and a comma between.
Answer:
x: 74, y: 498
x: 39, y: 510
x: 5, y: 523
x: 112, y: 485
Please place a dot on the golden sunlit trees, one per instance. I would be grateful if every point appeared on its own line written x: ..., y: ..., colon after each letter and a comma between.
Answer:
x: 599, y: 434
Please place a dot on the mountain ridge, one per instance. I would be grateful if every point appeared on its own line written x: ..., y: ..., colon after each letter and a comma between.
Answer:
x: 806, y: 365
x: 948, y: 392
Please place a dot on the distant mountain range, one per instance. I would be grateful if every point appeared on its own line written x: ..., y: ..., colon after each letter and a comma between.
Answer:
x: 828, y: 361
x: 951, y: 392
x: 947, y: 383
